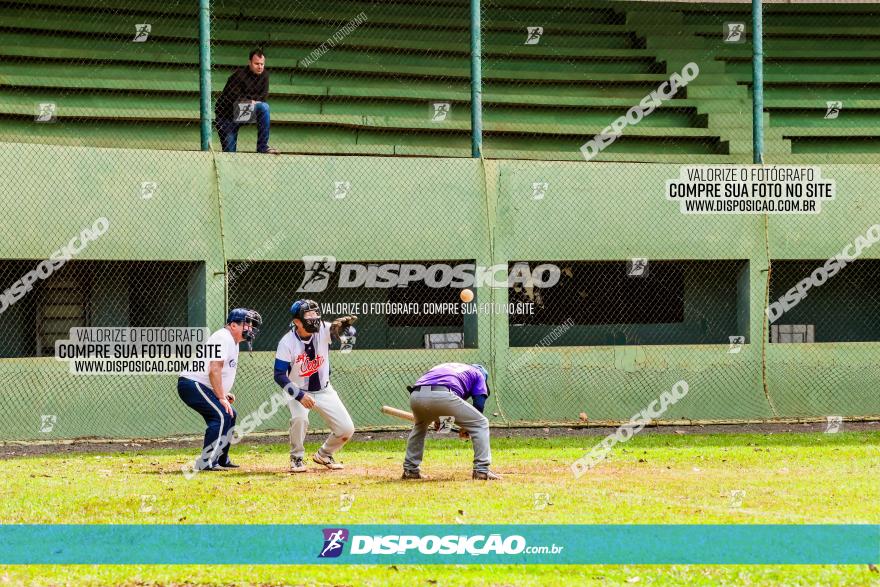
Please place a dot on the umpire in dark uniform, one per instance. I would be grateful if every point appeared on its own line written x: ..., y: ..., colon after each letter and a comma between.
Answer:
x: 208, y: 390
x: 244, y: 100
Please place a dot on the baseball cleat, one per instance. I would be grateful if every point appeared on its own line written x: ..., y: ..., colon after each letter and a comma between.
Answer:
x: 327, y: 461
x: 297, y: 465
x: 213, y: 468
x: 411, y: 475
x: 229, y: 465
x: 486, y: 476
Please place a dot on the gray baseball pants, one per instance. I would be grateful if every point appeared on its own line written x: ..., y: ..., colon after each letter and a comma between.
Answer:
x: 427, y: 406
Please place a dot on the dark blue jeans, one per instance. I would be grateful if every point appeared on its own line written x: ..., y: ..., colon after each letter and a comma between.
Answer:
x: 227, y: 128
x: 215, y: 449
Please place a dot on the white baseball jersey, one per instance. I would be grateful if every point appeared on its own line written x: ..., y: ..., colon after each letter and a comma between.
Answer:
x: 293, y: 350
x: 229, y: 348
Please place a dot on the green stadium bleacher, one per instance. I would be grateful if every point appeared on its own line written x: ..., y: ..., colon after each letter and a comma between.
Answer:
x: 814, y: 54
x: 371, y: 94
x: 368, y: 96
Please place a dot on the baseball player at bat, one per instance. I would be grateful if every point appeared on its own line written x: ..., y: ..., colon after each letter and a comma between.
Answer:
x: 302, y: 368
x: 442, y: 391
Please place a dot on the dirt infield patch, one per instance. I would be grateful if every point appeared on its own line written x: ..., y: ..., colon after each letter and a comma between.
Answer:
x: 28, y: 449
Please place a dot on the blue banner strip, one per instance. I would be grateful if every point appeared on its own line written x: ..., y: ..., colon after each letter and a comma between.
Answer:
x: 439, y: 544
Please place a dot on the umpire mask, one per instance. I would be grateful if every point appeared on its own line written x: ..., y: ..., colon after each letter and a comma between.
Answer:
x: 249, y: 317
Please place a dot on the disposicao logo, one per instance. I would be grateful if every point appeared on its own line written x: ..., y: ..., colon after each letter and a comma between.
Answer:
x: 444, y: 545
x: 334, y: 541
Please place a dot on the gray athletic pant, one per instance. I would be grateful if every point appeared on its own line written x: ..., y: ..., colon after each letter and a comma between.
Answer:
x: 427, y: 406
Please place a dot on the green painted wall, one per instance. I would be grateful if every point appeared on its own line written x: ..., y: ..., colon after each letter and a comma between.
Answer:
x: 282, y: 208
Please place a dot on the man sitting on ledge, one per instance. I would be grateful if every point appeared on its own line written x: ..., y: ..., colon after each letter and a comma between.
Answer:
x: 244, y: 100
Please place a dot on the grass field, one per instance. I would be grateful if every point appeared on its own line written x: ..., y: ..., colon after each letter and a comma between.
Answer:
x: 654, y: 478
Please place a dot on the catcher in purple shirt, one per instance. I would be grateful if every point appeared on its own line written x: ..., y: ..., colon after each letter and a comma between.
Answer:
x: 442, y: 391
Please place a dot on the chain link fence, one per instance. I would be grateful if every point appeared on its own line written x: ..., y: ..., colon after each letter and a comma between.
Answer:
x: 100, y: 74
x: 115, y: 217
x: 561, y: 77
x: 367, y: 78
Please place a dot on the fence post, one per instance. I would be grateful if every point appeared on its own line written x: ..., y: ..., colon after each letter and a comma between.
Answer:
x: 757, y: 84
x: 205, y: 72
x: 476, y: 82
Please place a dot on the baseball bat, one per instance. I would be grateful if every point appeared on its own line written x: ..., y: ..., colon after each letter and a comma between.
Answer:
x: 402, y: 414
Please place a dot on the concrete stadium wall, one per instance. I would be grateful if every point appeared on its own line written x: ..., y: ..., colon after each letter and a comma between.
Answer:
x: 211, y: 207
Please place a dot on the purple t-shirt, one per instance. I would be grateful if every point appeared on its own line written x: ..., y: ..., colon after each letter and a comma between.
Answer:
x: 463, y: 380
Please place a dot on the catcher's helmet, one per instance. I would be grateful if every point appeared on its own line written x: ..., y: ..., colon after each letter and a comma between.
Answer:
x: 300, y: 308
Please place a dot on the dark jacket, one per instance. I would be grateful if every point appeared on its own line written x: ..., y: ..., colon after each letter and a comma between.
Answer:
x: 241, y: 86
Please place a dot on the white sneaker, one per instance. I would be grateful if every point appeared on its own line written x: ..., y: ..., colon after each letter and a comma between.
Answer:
x: 297, y: 465
x: 326, y: 461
